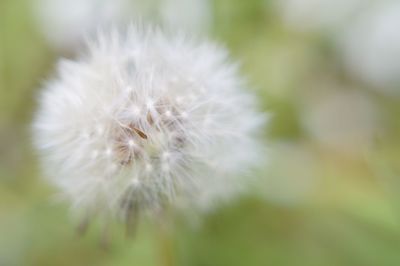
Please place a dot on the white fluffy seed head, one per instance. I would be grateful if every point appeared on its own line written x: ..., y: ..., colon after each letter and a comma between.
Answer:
x: 149, y: 119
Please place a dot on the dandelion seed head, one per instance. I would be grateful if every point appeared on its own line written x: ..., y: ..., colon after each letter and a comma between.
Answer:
x: 143, y: 132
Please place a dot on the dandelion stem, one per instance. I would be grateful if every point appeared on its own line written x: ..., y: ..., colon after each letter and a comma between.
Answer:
x: 165, y: 242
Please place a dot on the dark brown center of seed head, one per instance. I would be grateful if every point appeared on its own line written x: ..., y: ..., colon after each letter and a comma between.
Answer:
x: 131, y: 139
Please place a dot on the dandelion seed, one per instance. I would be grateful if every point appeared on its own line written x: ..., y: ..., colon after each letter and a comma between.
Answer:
x: 184, y: 115
x: 99, y: 130
x: 131, y: 143
x: 149, y: 104
x: 165, y: 155
x: 108, y: 152
x: 148, y: 167
x: 135, y: 182
x: 168, y: 114
x: 136, y: 110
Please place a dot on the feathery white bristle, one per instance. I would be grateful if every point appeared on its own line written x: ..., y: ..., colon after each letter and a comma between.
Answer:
x: 148, y: 118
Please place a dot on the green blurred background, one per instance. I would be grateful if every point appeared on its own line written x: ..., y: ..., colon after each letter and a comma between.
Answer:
x: 328, y: 196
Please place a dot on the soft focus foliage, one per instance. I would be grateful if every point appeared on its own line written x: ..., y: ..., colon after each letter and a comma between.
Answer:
x: 330, y: 195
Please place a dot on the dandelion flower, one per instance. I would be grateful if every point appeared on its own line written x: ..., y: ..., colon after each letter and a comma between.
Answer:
x: 145, y: 120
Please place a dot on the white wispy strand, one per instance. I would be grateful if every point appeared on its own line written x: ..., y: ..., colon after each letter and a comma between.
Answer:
x: 147, y: 119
